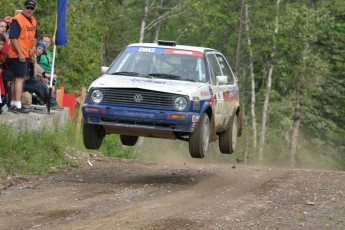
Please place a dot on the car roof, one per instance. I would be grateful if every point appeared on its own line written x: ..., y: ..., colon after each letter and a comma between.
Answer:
x: 180, y: 47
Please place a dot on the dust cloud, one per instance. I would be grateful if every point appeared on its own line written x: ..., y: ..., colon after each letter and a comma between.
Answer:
x: 176, y: 152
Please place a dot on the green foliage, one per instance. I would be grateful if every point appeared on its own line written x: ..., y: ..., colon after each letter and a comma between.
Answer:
x: 33, y: 152
x: 98, y: 30
x: 25, y: 151
x: 112, y: 147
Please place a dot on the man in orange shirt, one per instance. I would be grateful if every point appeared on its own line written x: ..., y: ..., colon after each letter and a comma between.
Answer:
x: 23, y: 34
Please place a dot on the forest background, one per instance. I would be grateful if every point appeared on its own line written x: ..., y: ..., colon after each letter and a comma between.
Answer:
x: 289, y: 57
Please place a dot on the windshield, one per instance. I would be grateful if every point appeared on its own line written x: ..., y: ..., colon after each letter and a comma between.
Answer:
x: 160, y: 63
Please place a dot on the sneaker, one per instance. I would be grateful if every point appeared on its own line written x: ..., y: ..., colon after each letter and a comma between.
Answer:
x: 14, y: 109
x: 57, y: 107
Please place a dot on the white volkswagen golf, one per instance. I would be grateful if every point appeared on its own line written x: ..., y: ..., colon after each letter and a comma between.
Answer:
x: 164, y: 90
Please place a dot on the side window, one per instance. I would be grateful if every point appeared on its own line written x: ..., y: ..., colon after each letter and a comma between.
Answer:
x: 225, y: 68
x: 214, y: 67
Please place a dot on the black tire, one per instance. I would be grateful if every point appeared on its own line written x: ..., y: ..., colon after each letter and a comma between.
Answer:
x: 199, y: 140
x: 128, y: 140
x: 93, y: 136
x: 228, y: 139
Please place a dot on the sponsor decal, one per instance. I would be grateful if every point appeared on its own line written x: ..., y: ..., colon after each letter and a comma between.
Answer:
x: 204, y: 94
x: 211, y: 91
x: 147, y: 49
x: 138, y: 114
x: 229, y: 95
x: 193, y: 126
x: 184, y: 52
x: 196, y: 103
x: 196, y: 99
x: 212, y: 100
x: 195, y: 118
x: 136, y: 49
x: 163, y: 51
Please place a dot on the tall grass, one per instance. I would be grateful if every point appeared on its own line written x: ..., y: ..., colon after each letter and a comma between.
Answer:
x: 40, y: 152
x: 36, y: 152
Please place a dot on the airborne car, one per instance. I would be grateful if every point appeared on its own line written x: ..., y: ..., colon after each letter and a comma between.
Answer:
x: 164, y: 90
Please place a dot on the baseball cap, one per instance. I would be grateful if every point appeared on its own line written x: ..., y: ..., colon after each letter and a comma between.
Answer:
x: 42, y: 45
x: 30, y: 3
x: 8, y: 19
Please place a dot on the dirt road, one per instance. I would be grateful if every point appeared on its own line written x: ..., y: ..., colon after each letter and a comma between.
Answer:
x: 122, y: 194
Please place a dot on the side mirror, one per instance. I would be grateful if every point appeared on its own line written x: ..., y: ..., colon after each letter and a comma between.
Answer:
x: 104, y: 69
x: 222, y: 80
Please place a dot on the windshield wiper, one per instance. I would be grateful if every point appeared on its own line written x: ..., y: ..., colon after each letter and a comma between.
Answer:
x: 165, y: 75
x: 171, y: 76
x: 125, y: 73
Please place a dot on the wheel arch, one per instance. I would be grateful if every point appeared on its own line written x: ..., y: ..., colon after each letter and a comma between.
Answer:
x: 239, y: 121
x: 209, y: 112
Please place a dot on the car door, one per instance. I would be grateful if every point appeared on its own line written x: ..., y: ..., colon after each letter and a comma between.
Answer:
x: 218, y: 100
x: 226, y: 94
x: 229, y: 90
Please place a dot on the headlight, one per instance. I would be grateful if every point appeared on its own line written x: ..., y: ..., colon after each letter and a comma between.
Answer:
x: 96, y: 96
x: 180, y: 103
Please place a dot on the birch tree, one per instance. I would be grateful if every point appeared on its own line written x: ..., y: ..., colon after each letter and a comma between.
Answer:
x: 143, y: 21
x: 252, y: 78
x: 268, y: 87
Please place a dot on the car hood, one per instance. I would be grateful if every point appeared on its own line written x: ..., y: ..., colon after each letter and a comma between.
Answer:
x: 160, y: 85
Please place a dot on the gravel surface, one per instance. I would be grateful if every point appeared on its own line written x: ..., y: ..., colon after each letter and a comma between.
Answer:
x: 107, y: 193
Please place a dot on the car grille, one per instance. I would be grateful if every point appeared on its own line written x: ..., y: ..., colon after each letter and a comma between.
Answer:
x: 138, y: 97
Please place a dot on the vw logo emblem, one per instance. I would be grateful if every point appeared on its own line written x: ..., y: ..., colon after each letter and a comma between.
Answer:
x: 138, y: 98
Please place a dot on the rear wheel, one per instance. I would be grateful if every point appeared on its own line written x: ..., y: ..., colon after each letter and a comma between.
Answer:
x: 198, y: 141
x: 128, y: 140
x: 228, y: 139
x: 93, y: 136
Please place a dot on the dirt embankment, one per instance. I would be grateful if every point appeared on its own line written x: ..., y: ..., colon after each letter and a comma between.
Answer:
x: 122, y: 194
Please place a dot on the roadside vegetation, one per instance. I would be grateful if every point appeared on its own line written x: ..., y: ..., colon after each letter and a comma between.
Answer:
x: 30, y: 152
x: 25, y: 151
x: 289, y: 57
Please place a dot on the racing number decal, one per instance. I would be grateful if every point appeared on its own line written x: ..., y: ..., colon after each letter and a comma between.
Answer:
x: 219, y: 107
x: 220, y: 100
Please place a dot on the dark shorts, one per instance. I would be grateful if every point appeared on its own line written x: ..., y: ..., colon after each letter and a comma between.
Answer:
x: 19, y: 69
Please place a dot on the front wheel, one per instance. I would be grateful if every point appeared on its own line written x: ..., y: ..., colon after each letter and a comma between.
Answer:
x: 228, y: 139
x: 93, y: 136
x: 128, y: 140
x: 198, y: 141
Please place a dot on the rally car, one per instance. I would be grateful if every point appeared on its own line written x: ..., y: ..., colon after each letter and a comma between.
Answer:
x: 165, y: 90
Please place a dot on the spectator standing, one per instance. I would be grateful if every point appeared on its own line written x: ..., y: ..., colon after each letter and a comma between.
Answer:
x: 23, y: 33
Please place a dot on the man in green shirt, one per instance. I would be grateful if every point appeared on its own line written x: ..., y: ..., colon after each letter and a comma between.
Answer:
x: 46, y: 59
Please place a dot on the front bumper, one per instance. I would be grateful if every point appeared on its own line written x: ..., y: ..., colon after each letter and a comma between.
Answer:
x: 124, y: 118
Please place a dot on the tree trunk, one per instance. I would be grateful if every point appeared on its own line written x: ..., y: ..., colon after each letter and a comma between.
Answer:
x: 239, y: 39
x: 297, y: 113
x: 143, y: 21
x: 295, y: 129
x: 268, y: 88
x: 158, y: 23
x: 252, y: 79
